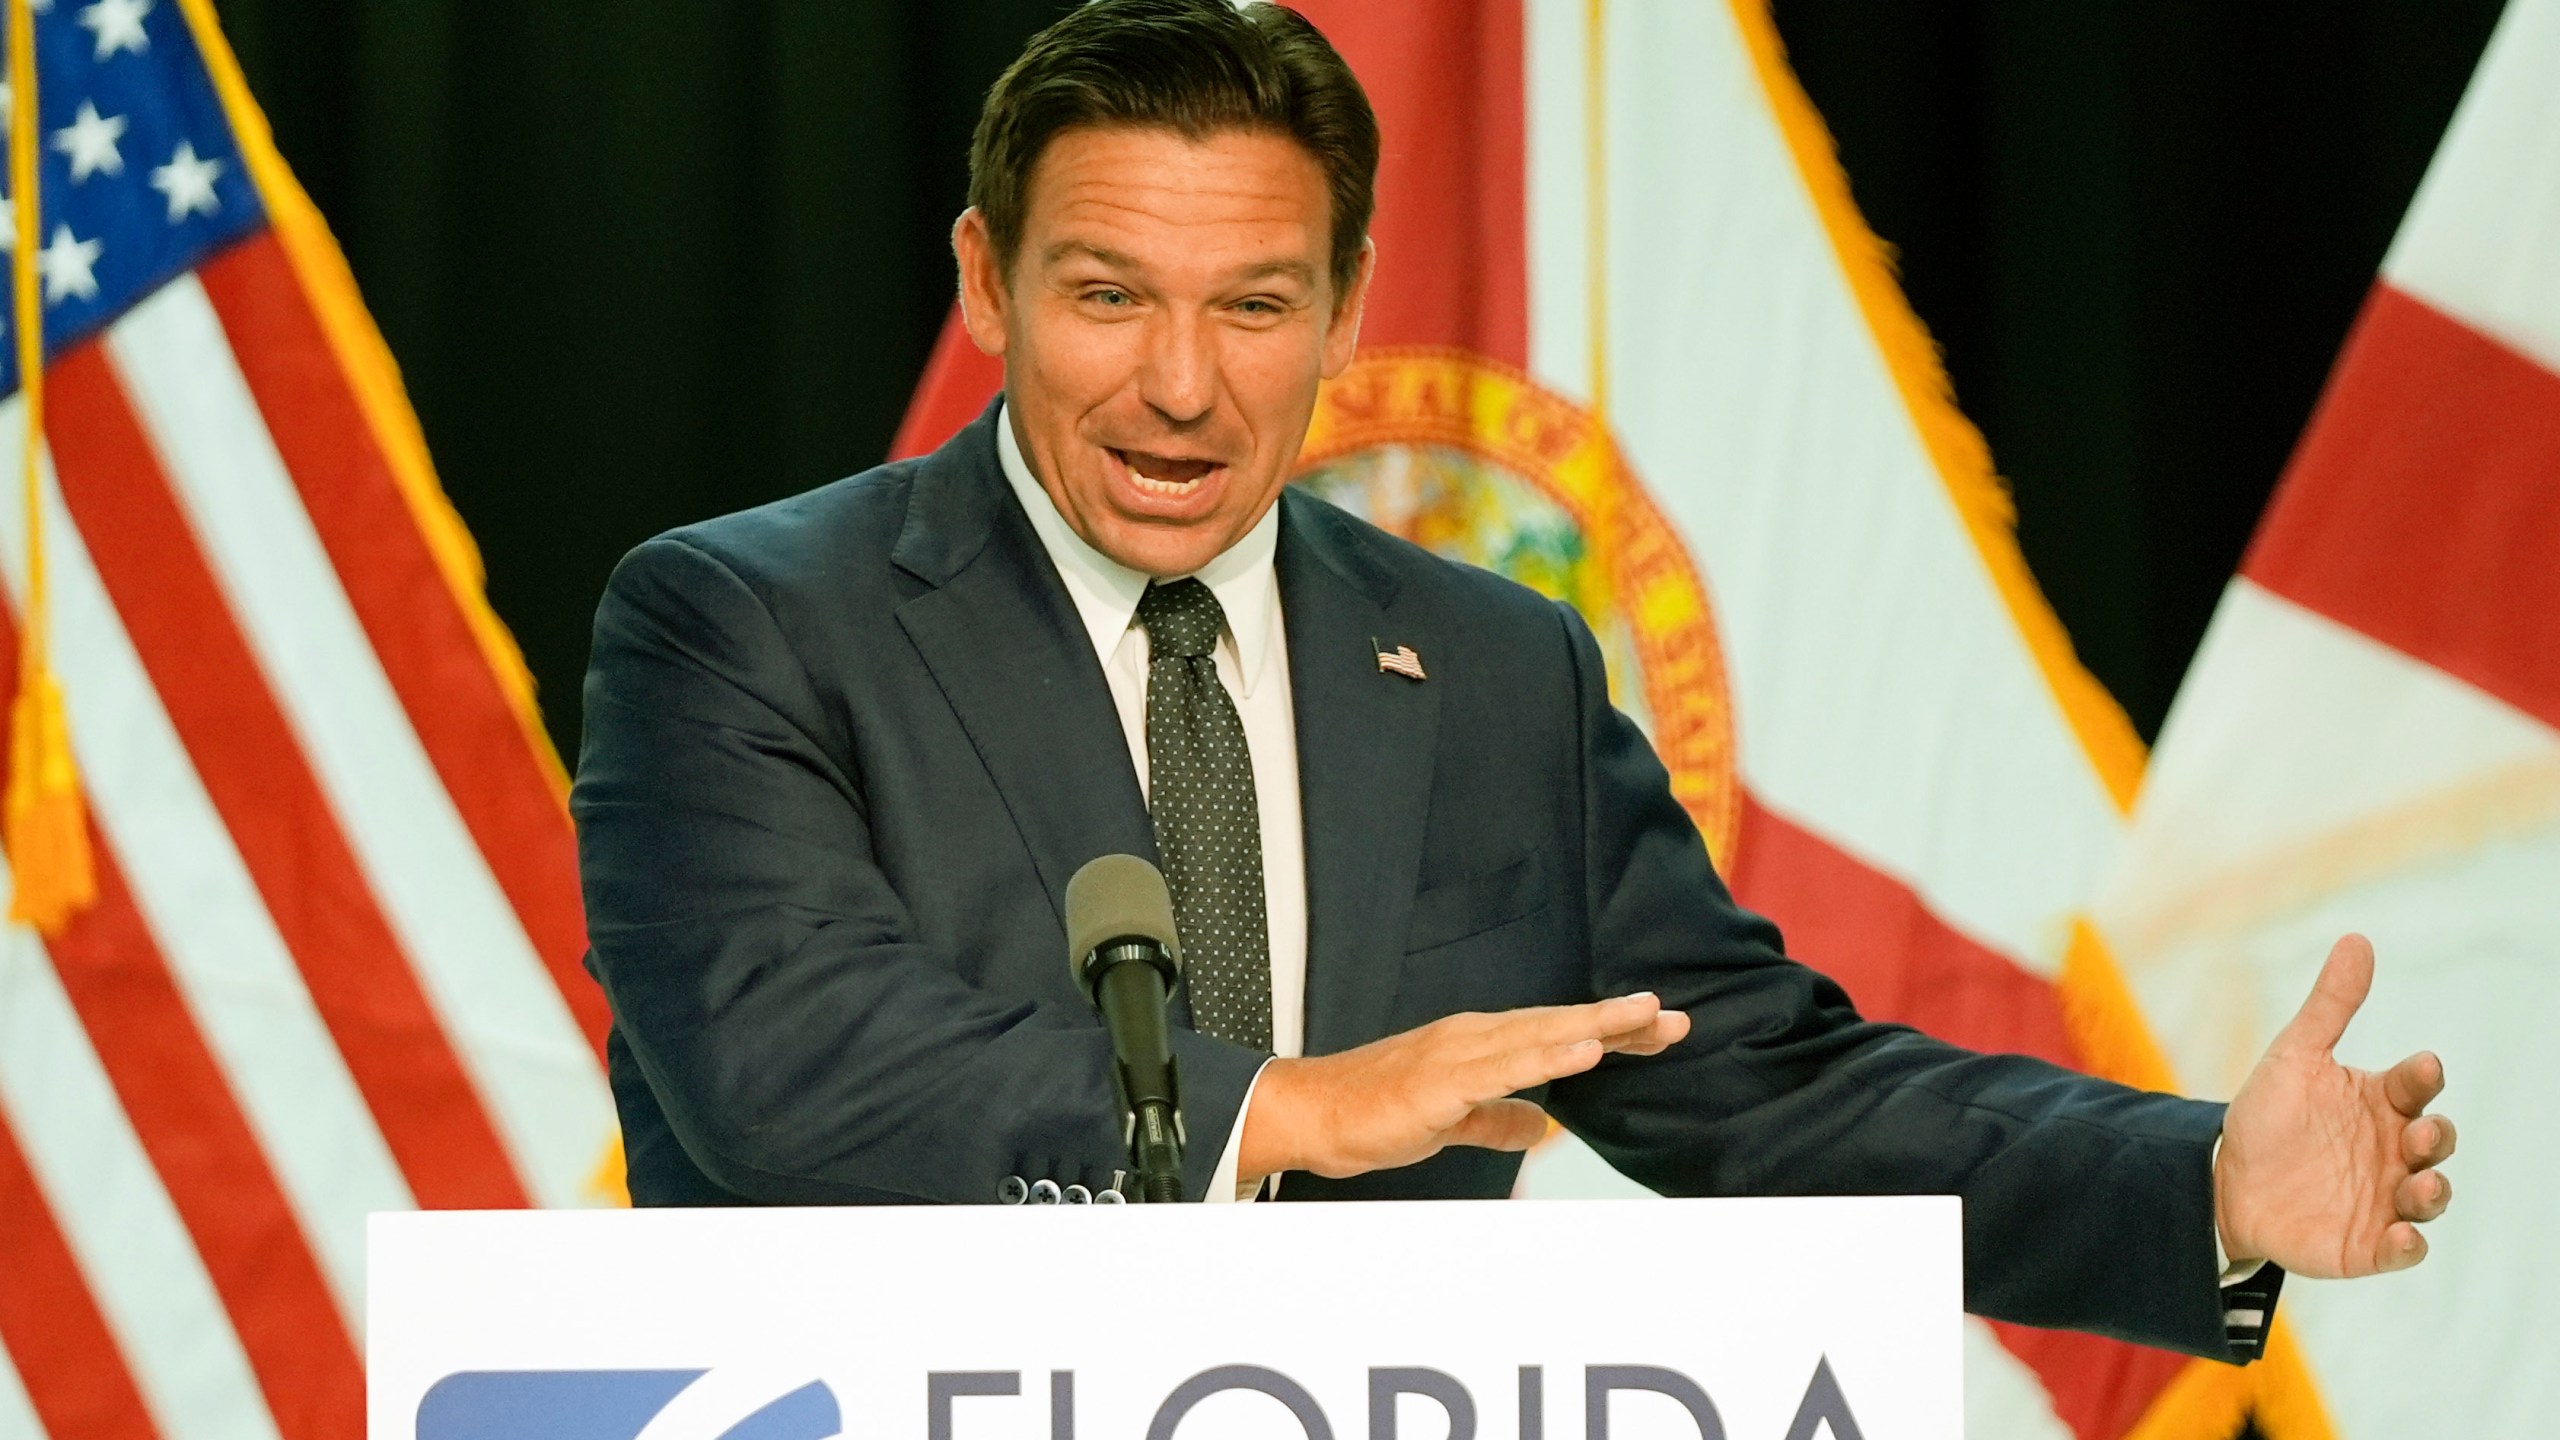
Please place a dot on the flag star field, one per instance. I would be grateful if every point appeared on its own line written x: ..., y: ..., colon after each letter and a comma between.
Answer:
x: 141, y: 176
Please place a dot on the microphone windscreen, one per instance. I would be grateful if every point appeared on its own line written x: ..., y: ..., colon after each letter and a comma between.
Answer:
x: 1117, y: 897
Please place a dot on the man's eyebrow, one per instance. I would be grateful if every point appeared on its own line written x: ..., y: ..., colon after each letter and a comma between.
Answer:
x: 1069, y: 249
x: 1298, y: 270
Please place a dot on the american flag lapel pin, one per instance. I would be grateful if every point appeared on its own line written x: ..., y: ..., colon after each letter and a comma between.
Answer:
x: 1401, y: 660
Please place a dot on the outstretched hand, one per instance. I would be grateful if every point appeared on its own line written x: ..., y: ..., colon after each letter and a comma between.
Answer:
x: 1407, y: 1097
x: 2325, y: 1169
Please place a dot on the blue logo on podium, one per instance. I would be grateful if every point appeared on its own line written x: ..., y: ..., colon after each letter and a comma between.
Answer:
x: 607, y: 1405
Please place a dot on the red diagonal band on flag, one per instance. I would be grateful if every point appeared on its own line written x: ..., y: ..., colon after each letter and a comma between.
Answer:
x: 2099, y: 1387
x: 2423, y: 507
x: 1897, y: 960
x: 75, y: 1374
x: 470, y: 731
x: 236, y: 735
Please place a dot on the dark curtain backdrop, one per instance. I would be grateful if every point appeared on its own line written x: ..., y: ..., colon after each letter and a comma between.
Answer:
x: 649, y: 260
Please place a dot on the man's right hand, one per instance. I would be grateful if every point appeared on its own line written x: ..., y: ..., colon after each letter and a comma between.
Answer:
x: 1405, y: 1098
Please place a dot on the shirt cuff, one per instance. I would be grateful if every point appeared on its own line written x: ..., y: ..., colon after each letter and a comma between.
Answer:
x: 2231, y: 1274
x: 1224, y: 1187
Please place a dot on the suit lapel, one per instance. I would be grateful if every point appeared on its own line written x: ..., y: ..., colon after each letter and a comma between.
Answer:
x: 1003, y: 642
x: 1365, y: 743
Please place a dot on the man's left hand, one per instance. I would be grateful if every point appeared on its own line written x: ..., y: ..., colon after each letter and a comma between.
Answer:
x: 2325, y: 1169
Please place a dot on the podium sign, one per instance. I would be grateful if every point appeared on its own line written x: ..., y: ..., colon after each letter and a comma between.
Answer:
x: 1529, y: 1320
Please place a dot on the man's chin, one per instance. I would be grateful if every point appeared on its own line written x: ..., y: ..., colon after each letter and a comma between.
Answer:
x: 1165, y: 549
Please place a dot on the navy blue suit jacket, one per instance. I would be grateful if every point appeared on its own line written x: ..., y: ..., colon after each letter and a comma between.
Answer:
x: 842, y: 753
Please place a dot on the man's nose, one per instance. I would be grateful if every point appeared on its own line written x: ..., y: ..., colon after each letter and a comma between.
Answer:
x: 1180, y: 376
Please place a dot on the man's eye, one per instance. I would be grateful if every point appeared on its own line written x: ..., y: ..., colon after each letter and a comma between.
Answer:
x: 1112, y: 298
x: 1257, y: 307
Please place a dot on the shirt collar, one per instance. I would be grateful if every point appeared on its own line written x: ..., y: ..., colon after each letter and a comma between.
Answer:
x: 1106, y: 592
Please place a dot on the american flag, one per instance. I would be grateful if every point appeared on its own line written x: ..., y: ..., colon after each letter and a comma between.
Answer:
x: 333, y: 962
x: 1402, y: 661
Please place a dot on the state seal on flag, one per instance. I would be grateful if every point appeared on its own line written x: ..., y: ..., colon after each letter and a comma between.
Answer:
x: 1473, y: 460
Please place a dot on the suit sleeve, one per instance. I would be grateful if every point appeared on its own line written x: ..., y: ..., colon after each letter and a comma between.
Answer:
x: 2087, y: 1205
x: 806, y: 1045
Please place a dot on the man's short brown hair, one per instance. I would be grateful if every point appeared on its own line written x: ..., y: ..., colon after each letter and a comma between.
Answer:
x: 1195, y: 67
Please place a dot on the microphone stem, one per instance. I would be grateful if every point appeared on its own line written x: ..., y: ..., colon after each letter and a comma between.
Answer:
x: 1157, y: 1152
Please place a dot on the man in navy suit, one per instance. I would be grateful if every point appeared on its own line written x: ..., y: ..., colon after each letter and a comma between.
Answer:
x: 844, y: 751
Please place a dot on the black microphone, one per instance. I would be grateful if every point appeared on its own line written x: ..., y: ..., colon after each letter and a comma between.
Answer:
x: 1121, y: 945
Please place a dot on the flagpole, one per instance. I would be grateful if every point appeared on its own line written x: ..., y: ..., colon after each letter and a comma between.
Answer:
x: 1595, y: 194
x: 46, y: 826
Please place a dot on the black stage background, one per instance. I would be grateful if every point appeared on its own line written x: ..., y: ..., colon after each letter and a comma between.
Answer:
x: 651, y: 260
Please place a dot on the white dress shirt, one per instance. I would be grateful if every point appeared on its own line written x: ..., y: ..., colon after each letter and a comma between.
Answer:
x: 1253, y: 663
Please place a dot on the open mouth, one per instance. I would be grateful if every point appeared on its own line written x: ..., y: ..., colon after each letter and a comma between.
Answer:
x: 1167, y: 475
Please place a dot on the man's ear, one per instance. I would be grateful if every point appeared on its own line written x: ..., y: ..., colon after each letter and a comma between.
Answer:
x: 984, y: 299
x: 1342, y: 332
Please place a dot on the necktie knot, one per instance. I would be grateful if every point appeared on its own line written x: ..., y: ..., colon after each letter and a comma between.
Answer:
x: 1182, y: 619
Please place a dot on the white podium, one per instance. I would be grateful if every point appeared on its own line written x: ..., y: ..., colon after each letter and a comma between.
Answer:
x: 1528, y: 1320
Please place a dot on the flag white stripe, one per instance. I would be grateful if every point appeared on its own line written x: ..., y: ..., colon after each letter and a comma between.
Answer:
x: 513, y: 1030
x: 240, y: 981
x: 2385, y: 765
x: 1883, y: 696
x: 2221, y: 795
x: 135, y: 1253
x: 17, y: 1412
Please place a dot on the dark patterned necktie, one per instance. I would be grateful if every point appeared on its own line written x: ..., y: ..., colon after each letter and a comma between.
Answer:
x: 1208, y: 828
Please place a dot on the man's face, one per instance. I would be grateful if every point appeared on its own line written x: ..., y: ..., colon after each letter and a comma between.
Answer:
x: 1163, y: 328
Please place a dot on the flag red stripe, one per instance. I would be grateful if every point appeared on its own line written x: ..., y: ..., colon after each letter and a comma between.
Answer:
x: 2423, y: 507
x: 260, y: 783
x: 183, y: 1111
x: 2101, y: 1388
x: 471, y: 732
x: 1900, y: 962
x: 1448, y: 79
x: 190, y: 1125
x: 76, y: 1377
x: 958, y: 382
